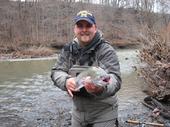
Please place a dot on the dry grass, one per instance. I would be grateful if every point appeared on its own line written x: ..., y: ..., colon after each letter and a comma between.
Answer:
x: 125, y: 43
x: 24, y: 50
x: 33, y: 52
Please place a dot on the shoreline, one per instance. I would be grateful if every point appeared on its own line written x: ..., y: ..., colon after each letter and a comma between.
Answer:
x: 28, y: 59
x: 11, y: 57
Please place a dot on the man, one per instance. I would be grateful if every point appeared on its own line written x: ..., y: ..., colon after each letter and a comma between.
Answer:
x: 93, y: 106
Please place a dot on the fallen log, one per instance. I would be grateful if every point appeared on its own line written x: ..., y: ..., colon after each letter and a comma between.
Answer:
x: 152, y: 103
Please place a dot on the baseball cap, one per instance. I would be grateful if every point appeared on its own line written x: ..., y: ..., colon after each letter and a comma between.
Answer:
x: 85, y: 15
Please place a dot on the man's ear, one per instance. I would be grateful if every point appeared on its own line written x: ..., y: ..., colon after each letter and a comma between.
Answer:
x: 75, y: 29
x: 95, y: 27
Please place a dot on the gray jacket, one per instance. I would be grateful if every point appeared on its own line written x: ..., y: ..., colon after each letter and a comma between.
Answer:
x: 96, y: 108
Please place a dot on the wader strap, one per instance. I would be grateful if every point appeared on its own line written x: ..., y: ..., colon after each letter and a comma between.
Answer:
x: 89, y: 125
x: 89, y: 56
x: 117, y: 123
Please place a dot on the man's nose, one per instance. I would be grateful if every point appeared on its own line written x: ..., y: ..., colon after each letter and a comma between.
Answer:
x: 84, y: 28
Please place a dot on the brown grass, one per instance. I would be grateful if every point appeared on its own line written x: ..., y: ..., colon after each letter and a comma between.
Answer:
x: 33, y: 52
x: 125, y: 43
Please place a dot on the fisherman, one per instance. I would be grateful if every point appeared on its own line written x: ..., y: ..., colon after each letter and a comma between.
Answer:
x: 93, y: 105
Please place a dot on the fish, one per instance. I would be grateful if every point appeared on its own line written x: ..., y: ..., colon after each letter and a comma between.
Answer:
x: 94, y: 75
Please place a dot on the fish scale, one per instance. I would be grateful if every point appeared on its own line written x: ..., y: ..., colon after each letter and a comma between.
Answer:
x: 97, y: 75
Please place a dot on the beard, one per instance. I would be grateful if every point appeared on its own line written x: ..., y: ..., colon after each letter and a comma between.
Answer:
x: 85, y: 37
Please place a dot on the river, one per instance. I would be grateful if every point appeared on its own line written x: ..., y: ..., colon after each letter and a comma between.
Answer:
x: 28, y: 97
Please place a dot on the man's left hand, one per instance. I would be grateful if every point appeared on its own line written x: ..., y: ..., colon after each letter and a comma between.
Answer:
x: 92, y: 88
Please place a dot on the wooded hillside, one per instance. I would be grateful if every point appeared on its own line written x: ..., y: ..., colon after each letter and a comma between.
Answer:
x: 50, y: 22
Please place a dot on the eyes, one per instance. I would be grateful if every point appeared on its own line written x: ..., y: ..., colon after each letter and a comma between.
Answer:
x: 81, y: 26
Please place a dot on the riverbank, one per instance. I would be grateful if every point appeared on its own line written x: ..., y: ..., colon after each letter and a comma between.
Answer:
x: 9, y: 58
x: 45, y: 53
x: 42, y: 52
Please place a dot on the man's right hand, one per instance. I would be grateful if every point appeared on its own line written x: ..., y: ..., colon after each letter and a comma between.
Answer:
x: 71, y: 85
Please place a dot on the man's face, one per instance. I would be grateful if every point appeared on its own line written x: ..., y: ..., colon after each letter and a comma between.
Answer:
x: 84, y: 32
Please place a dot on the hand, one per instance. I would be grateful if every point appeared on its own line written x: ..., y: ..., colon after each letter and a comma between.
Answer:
x: 91, y: 88
x: 70, y: 85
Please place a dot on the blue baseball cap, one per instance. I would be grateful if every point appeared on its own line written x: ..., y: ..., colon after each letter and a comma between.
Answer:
x: 85, y: 15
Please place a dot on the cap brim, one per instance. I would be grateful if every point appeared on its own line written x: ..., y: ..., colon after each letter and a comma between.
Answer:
x: 85, y: 19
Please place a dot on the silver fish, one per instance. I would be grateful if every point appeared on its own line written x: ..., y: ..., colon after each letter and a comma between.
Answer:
x: 97, y: 75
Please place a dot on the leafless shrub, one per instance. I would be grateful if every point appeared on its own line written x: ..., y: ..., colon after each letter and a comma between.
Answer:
x: 156, y: 55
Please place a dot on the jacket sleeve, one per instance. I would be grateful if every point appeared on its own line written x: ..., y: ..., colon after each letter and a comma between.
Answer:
x: 59, y: 72
x: 108, y: 60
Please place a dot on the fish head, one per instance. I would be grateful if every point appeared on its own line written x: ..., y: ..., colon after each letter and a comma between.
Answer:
x: 102, y: 80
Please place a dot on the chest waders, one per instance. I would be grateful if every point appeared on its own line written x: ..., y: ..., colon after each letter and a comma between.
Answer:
x: 77, y: 56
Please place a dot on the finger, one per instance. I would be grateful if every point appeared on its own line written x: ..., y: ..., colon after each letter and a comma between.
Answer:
x: 70, y: 93
x: 73, y: 84
x: 89, y: 88
x: 72, y: 87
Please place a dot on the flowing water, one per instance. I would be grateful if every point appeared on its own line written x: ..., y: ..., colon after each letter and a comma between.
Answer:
x: 28, y: 97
